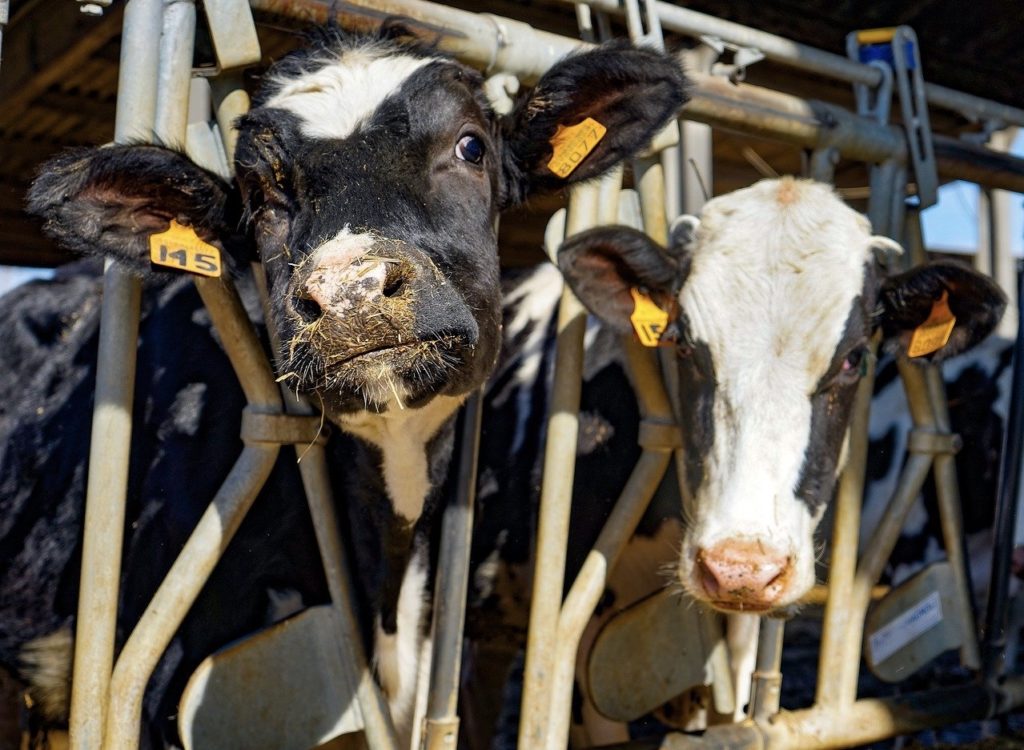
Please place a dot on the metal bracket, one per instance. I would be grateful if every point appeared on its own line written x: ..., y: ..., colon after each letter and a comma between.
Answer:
x: 659, y: 436
x: 934, y: 443
x: 234, y: 35
x: 284, y: 429
x: 643, y: 23
x: 897, y: 49
x: 742, y: 58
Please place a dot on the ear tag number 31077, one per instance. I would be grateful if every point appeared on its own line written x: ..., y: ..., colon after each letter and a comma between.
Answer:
x: 933, y: 334
x: 180, y: 247
x: 649, y: 321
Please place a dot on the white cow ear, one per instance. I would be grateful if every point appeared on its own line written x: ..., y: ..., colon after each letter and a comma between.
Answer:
x: 886, y: 251
x: 604, y: 265
x: 918, y: 307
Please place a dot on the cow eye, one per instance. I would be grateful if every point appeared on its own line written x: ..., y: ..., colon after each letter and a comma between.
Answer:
x: 853, y: 365
x: 470, y: 148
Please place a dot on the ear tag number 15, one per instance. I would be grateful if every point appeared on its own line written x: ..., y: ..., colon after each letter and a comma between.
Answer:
x: 180, y: 247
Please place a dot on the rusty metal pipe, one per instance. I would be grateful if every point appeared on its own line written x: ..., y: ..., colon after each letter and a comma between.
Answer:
x: 106, y: 491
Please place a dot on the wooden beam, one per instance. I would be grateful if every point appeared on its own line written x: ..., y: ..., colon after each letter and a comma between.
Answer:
x: 44, y: 44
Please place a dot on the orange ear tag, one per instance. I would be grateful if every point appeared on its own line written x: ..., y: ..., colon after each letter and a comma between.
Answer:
x: 180, y: 247
x: 571, y: 145
x: 933, y: 334
x: 649, y: 321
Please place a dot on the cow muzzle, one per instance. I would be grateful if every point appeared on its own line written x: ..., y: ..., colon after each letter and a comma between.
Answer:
x: 744, y: 575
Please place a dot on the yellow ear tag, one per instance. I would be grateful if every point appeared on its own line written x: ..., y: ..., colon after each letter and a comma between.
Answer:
x: 572, y: 144
x: 649, y: 321
x: 180, y: 247
x: 933, y: 334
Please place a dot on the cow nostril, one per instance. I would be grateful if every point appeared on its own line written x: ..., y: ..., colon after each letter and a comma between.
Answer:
x: 394, y: 282
x: 307, y: 308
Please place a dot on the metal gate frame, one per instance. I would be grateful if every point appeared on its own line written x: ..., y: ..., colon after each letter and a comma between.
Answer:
x: 106, y: 704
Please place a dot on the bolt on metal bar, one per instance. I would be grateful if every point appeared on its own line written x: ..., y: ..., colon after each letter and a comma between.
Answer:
x: 441, y: 726
x: 556, y: 493
x: 111, y: 428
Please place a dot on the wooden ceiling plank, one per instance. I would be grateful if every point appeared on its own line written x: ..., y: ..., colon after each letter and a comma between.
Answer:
x: 59, y: 34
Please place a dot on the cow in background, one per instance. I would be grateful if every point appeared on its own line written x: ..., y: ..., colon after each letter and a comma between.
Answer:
x: 369, y: 176
x: 774, y: 292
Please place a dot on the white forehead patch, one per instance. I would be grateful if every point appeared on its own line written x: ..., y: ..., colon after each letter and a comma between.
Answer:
x: 774, y: 273
x: 333, y: 100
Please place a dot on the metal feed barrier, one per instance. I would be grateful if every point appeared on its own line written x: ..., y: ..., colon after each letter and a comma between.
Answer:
x: 153, y: 104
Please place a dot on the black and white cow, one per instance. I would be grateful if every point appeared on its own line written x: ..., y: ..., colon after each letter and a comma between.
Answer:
x: 775, y: 292
x: 370, y: 173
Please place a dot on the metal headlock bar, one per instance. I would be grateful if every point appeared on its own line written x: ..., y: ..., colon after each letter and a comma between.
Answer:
x: 152, y: 104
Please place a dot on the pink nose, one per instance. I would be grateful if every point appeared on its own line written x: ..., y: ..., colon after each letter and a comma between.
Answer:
x: 338, y: 285
x: 743, y: 574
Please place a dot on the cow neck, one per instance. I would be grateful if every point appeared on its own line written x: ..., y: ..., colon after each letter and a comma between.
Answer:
x: 404, y: 439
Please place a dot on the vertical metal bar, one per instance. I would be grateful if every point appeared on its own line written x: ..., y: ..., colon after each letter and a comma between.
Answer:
x: 176, y: 47
x: 441, y: 729
x: 1006, y: 513
x: 556, y: 495
x: 589, y: 584
x: 928, y: 377
x: 764, y: 702
x: 1004, y: 265
x: 111, y: 427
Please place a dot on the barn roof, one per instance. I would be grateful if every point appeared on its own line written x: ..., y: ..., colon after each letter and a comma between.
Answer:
x: 59, y: 78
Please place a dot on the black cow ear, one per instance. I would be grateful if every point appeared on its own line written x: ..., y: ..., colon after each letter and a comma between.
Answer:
x: 913, y: 315
x: 604, y: 265
x: 620, y: 96
x: 109, y: 201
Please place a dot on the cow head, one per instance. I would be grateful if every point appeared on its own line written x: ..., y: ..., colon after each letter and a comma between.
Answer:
x: 777, y: 295
x: 370, y: 174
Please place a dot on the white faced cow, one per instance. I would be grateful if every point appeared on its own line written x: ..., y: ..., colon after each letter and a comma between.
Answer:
x: 371, y: 173
x: 776, y: 294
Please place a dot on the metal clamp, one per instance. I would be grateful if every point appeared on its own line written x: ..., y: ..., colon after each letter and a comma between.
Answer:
x: 897, y: 49
x: 283, y: 429
x: 742, y: 58
x: 659, y: 436
x: 934, y: 443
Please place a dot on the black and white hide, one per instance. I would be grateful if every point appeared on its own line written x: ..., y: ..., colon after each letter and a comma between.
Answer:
x: 369, y: 176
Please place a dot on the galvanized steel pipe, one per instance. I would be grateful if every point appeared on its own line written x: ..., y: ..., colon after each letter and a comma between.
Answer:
x: 811, y: 59
x: 556, y: 494
x: 441, y: 726
x: 179, y: 590
x: 103, y: 530
x: 589, y: 584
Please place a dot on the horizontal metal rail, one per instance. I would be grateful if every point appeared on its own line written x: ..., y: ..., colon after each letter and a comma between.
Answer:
x: 811, y: 59
x: 501, y: 44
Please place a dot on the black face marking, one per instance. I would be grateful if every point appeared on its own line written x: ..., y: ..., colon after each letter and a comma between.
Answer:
x: 831, y: 403
x: 697, y: 387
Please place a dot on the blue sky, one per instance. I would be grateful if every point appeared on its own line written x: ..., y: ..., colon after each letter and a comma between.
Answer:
x: 953, y: 222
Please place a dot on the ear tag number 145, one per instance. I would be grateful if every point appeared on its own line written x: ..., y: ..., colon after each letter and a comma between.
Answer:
x: 180, y: 247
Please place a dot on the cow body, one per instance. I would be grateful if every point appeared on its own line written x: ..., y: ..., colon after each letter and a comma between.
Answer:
x: 775, y: 293
x: 370, y: 173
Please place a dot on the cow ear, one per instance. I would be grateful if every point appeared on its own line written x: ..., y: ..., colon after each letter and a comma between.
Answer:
x: 604, y: 265
x: 909, y: 299
x: 108, y: 201
x: 623, y: 93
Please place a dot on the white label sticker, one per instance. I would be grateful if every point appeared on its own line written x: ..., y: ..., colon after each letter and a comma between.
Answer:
x: 894, y: 635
